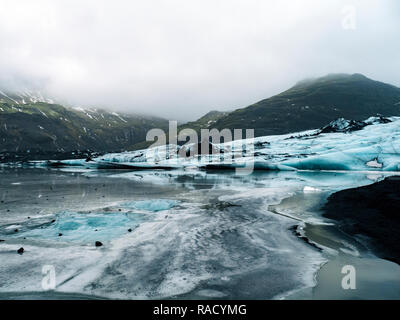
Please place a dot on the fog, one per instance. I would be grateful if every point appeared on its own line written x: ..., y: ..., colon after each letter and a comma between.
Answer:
x: 180, y: 59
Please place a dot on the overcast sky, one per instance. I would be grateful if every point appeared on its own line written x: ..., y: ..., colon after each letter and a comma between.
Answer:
x: 181, y: 58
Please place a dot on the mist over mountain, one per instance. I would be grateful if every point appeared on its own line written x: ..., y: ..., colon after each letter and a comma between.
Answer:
x: 313, y: 103
x: 181, y: 59
x: 31, y: 123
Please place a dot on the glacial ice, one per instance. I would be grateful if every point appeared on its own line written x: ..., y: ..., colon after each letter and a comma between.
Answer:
x: 342, y: 145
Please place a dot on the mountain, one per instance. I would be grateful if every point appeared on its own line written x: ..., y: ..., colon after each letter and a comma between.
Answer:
x: 23, y: 97
x: 314, y: 103
x: 31, y: 123
x: 206, y: 121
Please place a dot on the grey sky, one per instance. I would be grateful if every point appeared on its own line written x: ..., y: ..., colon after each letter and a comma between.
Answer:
x: 180, y: 59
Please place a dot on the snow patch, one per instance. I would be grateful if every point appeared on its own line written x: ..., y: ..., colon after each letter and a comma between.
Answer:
x: 308, y: 189
x: 374, y: 164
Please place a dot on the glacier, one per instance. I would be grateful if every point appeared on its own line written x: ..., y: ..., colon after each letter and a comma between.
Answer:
x: 344, y: 145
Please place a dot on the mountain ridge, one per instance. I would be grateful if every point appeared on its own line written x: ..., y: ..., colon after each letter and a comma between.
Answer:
x: 29, y: 121
x: 40, y: 126
x: 313, y: 103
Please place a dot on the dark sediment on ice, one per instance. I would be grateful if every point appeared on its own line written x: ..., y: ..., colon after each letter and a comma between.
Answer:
x: 372, y: 211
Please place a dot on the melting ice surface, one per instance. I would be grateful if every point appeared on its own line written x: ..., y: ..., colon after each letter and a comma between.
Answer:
x: 86, y: 227
x: 222, y: 240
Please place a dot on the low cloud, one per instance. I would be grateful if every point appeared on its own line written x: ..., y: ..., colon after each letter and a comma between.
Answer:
x: 180, y: 59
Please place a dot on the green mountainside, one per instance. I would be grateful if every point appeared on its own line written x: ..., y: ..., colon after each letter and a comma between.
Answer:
x: 314, y: 103
x: 30, y: 126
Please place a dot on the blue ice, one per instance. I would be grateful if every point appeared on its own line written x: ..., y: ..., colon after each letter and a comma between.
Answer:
x: 86, y: 227
x: 375, y: 147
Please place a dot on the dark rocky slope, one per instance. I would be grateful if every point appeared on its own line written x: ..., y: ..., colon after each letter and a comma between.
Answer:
x: 32, y: 128
x: 372, y: 211
x: 311, y: 104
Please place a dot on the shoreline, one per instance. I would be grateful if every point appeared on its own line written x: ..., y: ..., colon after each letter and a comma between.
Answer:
x: 378, y: 276
x: 370, y: 213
